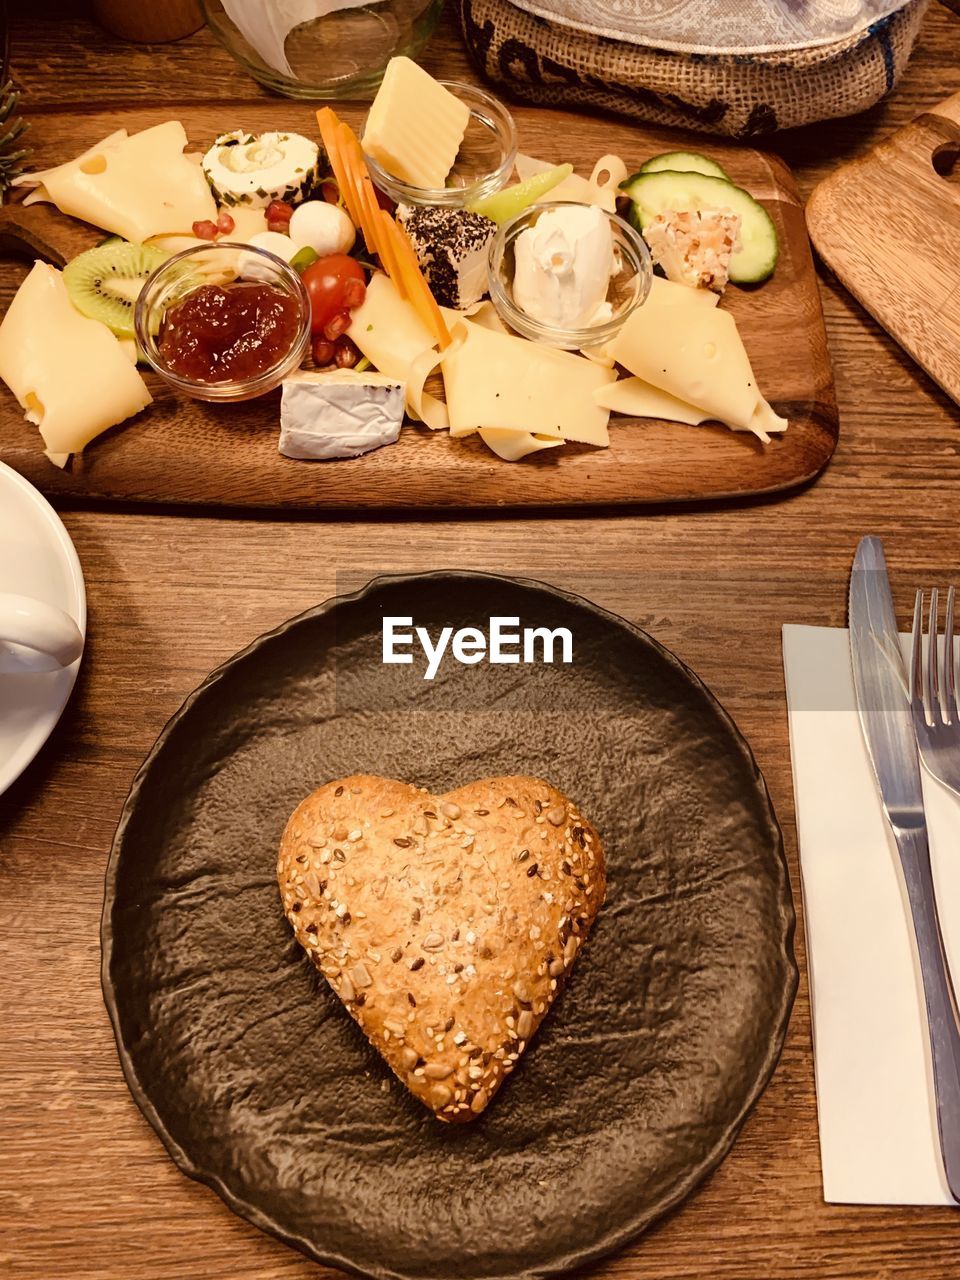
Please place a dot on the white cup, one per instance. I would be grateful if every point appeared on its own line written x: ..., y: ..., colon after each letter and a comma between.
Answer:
x: 35, y: 636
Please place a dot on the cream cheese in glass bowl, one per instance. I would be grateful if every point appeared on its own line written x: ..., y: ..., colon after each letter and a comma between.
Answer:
x: 568, y: 274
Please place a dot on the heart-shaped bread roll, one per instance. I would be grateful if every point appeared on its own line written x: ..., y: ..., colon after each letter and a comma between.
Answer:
x: 446, y: 924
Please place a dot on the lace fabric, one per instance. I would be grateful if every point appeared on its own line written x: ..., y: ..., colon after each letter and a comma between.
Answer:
x: 717, y: 26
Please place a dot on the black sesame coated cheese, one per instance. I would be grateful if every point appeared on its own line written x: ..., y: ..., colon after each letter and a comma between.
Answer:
x: 451, y: 246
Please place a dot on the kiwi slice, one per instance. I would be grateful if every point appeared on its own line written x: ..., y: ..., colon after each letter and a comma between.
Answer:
x: 104, y: 283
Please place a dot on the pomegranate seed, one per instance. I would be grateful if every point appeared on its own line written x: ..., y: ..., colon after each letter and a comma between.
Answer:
x: 330, y: 192
x: 225, y: 223
x: 279, y: 211
x: 338, y: 325
x: 205, y: 230
x: 323, y: 352
x: 354, y: 292
x: 278, y: 225
x: 345, y: 353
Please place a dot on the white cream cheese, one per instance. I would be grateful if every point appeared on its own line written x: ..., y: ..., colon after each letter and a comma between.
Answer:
x: 563, y: 265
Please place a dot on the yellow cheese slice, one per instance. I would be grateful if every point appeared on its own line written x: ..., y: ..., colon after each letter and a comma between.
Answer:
x: 136, y: 187
x: 483, y: 313
x: 389, y: 332
x: 247, y: 223
x: 608, y: 173
x: 665, y: 293
x: 694, y: 353
x: 497, y: 380
x: 70, y: 374
x: 765, y: 420
x: 575, y: 188
x: 415, y: 126
x: 599, y: 355
x: 32, y: 181
x: 511, y: 446
x: 638, y: 399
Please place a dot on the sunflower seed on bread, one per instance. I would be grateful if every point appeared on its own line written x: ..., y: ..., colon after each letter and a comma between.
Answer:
x: 447, y: 925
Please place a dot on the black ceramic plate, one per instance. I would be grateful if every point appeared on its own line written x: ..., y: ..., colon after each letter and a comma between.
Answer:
x: 259, y: 1082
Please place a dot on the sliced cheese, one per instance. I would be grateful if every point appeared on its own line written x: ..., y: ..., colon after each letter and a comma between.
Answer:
x: 483, y: 313
x: 665, y: 293
x: 638, y: 399
x: 390, y: 333
x: 415, y: 126
x: 608, y: 173
x: 765, y: 420
x: 32, y: 181
x: 387, y: 329
x: 511, y: 446
x: 497, y: 380
x: 600, y: 189
x: 247, y: 223
x: 599, y: 355
x: 136, y: 187
x: 175, y: 244
x: 694, y: 353
x: 70, y: 374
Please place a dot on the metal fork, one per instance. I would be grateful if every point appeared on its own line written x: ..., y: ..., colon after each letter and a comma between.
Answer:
x: 933, y: 692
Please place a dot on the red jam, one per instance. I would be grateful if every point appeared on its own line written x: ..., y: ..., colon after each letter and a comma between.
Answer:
x: 229, y: 333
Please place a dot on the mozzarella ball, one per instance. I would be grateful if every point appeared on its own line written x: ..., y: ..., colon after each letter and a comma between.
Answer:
x: 324, y: 228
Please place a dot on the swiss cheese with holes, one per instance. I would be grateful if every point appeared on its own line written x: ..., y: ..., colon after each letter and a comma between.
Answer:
x: 447, y: 925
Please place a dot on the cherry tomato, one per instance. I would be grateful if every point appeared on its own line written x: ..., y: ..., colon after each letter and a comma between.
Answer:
x: 205, y: 230
x: 225, y: 223
x: 278, y: 211
x: 345, y: 353
x: 323, y: 352
x: 326, y: 282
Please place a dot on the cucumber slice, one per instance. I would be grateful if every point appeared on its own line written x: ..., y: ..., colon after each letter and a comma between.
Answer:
x: 503, y: 205
x: 684, y: 162
x: 654, y: 193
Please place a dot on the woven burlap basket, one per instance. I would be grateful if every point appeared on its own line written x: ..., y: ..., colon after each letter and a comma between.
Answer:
x: 742, y: 95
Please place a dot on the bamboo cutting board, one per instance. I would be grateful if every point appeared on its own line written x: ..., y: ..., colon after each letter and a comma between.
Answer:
x: 888, y: 226
x: 184, y: 451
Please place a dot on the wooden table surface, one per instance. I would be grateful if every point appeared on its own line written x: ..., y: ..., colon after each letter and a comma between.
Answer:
x: 86, y: 1189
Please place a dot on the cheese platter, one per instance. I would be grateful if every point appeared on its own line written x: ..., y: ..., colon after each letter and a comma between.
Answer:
x: 652, y: 333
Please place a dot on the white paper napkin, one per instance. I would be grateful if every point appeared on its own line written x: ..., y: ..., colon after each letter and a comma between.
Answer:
x: 875, y: 1100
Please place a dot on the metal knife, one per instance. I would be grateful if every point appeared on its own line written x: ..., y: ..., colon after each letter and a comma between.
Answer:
x: 882, y: 700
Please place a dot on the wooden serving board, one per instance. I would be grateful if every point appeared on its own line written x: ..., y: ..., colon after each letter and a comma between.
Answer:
x: 888, y: 225
x: 184, y: 451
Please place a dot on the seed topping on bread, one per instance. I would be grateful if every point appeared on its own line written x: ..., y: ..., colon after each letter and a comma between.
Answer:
x: 446, y: 925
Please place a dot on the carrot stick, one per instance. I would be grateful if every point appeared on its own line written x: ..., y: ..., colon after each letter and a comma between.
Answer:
x: 328, y: 123
x: 382, y: 233
x: 417, y: 287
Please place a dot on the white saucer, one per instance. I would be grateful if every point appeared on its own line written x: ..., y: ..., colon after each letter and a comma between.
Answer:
x: 37, y: 559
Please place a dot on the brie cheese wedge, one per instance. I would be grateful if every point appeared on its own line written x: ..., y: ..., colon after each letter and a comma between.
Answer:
x: 339, y: 413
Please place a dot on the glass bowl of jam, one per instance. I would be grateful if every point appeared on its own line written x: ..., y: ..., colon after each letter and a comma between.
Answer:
x: 224, y: 321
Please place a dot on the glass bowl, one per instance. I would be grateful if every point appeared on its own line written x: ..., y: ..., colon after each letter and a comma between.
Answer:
x: 627, y: 290
x: 338, y: 55
x: 484, y: 162
x: 219, y: 263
